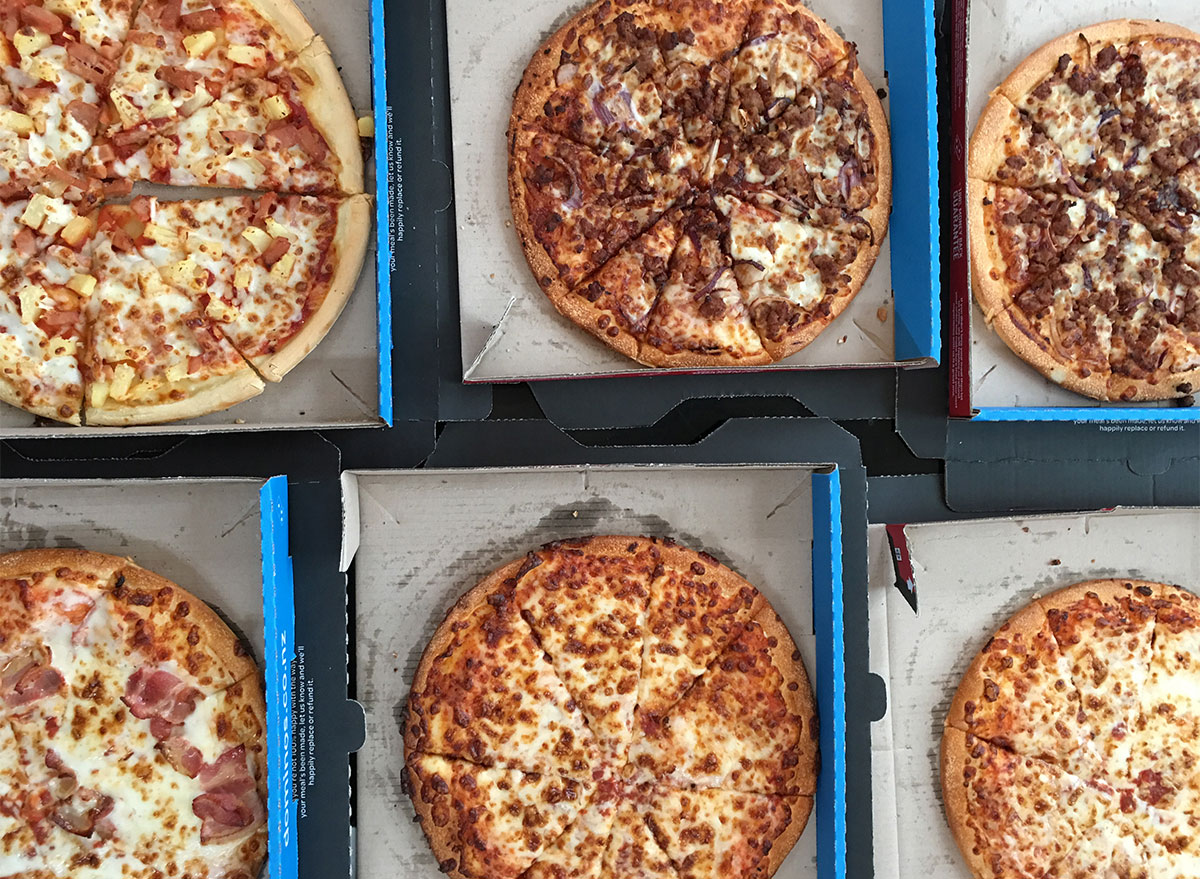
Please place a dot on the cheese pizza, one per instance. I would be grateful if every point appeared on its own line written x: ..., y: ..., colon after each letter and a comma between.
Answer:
x: 1069, y: 748
x: 611, y: 707
x: 1084, y: 198
x: 699, y: 182
x: 118, y: 310
x: 133, y: 741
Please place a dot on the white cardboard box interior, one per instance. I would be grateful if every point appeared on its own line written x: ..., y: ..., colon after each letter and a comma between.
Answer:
x: 425, y: 537
x: 338, y: 383
x: 509, y: 328
x: 971, y: 576
x: 203, y: 535
x: 1002, y: 33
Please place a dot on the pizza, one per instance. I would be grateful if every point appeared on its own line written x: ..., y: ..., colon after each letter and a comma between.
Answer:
x: 1084, y: 211
x: 1070, y: 746
x: 122, y: 308
x: 612, y: 707
x: 699, y: 182
x: 134, y: 734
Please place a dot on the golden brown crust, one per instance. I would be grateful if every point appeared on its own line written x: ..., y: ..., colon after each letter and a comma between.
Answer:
x: 797, y: 695
x: 9, y: 394
x: 954, y: 797
x: 1111, y: 591
x: 172, y: 604
x: 26, y: 562
x: 997, y: 124
x: 350, y: 243
x: 216, y: 395
x: 287, y: 20
x: 441, y: 838
x: 652, y: 356
x: 1041, y: 62
x: 329, y: 108
x: 1027, y: 623
x: 801, y: 808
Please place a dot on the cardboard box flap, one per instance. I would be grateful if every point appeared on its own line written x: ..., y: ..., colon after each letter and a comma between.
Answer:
x: 970, y: 576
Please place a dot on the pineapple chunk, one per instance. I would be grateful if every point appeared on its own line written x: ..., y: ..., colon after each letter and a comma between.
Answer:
x: 160, y: 109
x: 219, y: 310
x: 196, y: 102
x: 77, y: 231
x: 11, y: 120
x: 123, y: 377
x: 130, y: 115
x: 40, y: 68
x: 250, y: 56
x: 259, y: 239
x: 177, y: 372
x: 35, y: 212
x: 207, y: 246
x: 58, y: 215
x: 199, y: 45
x: 84, y: 285
x: 282, y: 270
x: 276, y: 107
x: 60, y: 347
x: 278, y: 230
x: 32, y: 296
x: 98, y: 393
x: 64, y: 7
x: 366, y: 126
x: 161, y: 235
x: 186, y: 273
x: 243, y: 276
x: 29, y: 42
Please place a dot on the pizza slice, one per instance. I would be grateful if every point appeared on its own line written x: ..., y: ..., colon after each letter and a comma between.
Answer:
x: 488, y: 694
x: 579, y: 851
x: 1010, y: 149
x: 786, y: 49
x: 152, y: 353
x: 633, y: 852
x: 272, y: 273
x: 1016, y: 816
x: 700, y: 318
x: 796, y: 273
x: 747, y: 724
x: 234, y: 94
x: 57, y: 58
x: 586, y: 604
x: 580, y: 206
x: 490, y: 822
x: 711, y: 833
x: 696, y: 609
x: 1158, y: 92
x: 617, y: 300
x: 1104, y: 630
x: 45, y: 285
x: 1019, y: 694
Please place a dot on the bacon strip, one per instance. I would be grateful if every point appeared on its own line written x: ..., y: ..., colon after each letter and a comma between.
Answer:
x: 157, y: 693
x: 27, y: 678
x: 230, y: 804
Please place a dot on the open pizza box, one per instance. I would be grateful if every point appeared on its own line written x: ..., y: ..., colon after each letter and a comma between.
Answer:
x: 225, y: 540
x: 988, y: 39
x: 937, y: 593
x: 509, y: 329
x: 346, y: 380
x: 414, y: 541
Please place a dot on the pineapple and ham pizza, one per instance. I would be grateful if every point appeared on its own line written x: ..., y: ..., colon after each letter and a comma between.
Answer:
x: 117, y: 308
x: 611, y: 707
x: 134, y: 725
x: 1069, y: 747
x: 656, y: 109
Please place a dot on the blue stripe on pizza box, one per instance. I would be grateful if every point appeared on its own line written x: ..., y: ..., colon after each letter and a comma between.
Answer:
x: 1123, y: 414
x: 279, y: 612
x: 383, y: 204
x: 830, y: 674
x: 908, y: 41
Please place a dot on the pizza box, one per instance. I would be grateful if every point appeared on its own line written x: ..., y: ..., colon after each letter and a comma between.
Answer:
x: 218, y: 538
x: 507, y: 328
x: 988, y: 39
x: 937, y: 591
x: 347, y: 380
x: 414, y: 541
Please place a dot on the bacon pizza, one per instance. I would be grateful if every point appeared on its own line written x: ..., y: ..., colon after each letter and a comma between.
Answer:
x: 1069, y: 748
x: 699, y: 182
x: 117, y: 312
x: 611, y: 707
x: 133, y: 740
x: 1084, y: 209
